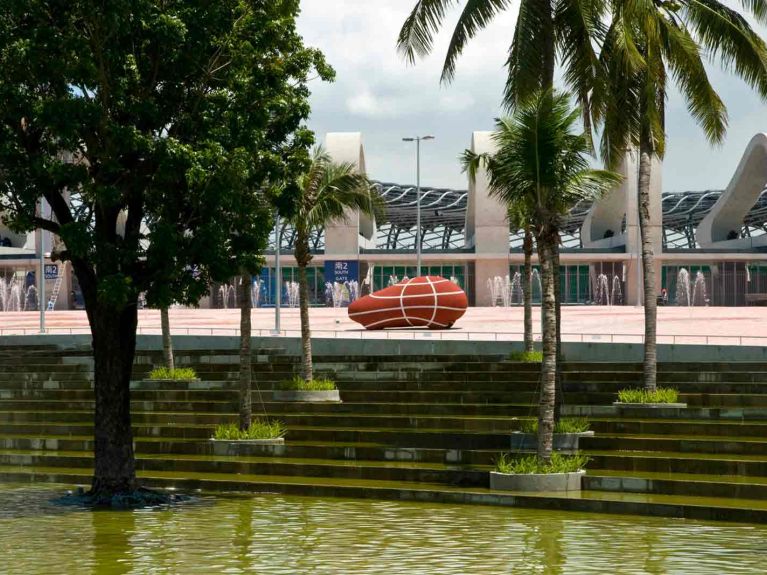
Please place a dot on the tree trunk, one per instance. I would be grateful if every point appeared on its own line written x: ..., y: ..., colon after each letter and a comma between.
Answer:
x: 306, y: 334
x: 114, y: 347
x: 167, y: 342
x: 648, y: 264
x: 546, y: 244
x: 527, y: 289
x: 556, y: 271
x: 246, y: 413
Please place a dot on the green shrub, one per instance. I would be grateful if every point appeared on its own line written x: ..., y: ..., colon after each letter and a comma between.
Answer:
x: 259, y: 429
x: 531, y: 464
x: 660, y: 395
x: 300, y: 384
x: 564, y: 425
x: 527, y: 356
x: 177, y: 374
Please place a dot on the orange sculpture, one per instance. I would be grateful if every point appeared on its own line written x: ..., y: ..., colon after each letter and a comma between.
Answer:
x: 426, y: 301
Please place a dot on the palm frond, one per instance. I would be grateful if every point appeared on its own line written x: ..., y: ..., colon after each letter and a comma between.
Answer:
x: 728, y: 38
x: 416, y: 38
x: 527, y: 54
x: 685, y: 63
x: 476, y: 15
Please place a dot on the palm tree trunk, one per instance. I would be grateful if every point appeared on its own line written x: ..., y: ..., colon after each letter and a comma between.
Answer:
x: 648, y: 264
x: 546, y: 243
x: 246, y: 412
x: 527, y: 289
x: 167, y: 342
x: 306, y: 334
x: 558, y: 313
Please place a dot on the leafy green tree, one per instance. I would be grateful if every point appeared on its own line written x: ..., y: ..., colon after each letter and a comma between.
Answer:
x: 647, y: 46
x: 540, y: 162
x: 157, y: 131
x: 328, y: 191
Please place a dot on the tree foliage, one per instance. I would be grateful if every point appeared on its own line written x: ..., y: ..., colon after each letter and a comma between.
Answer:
x: 163, y: 123
x: 157, y: 131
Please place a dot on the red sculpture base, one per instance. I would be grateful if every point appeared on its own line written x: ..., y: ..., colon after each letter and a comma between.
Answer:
x: 426, y: 301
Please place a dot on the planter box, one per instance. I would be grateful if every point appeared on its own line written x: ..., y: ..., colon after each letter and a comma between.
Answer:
x: 299, y: 395
x: 248, y: 446
x: 275, y: 441
x: 171, y: 381
x: 621, y: 405
x: 536, y: 481
x: 562, y: 441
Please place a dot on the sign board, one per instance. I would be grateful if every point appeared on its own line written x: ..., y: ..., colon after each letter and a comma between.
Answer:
x: 51, y: 271
x: 342, y: 271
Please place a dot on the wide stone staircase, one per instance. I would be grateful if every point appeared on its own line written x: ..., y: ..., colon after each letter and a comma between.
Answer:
x: 416, y: 428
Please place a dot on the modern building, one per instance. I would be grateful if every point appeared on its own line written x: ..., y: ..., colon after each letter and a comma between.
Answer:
x: 710, y: 246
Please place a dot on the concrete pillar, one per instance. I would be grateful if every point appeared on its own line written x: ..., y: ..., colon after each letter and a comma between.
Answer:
x: 343, y: 238
x: 487, y: 226
x: 633, y: 237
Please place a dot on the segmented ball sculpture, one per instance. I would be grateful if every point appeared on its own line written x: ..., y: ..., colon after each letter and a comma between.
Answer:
x: 427, y: 301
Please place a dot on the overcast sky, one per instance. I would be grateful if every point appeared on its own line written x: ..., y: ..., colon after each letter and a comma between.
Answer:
x: 377, y: 93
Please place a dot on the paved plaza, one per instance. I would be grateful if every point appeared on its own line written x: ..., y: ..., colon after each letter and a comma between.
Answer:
x: 683, y: 325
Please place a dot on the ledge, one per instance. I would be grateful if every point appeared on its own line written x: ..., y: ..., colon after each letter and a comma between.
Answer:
x: 536, y: 481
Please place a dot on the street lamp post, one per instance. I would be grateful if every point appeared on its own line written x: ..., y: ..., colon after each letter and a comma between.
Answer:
x: 417, y: 140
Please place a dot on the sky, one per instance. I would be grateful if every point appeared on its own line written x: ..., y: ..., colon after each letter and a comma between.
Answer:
x: 379, y: 94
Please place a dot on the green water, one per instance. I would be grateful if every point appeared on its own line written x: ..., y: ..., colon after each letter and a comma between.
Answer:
x: 270, y: 534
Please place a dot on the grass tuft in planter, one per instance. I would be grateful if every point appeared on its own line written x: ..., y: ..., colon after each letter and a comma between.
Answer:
x: 259, y: 429
x: 180, y: 374
x: 660, y: 395
x: 564, y: 425
x: 526, y: 356
x: 532, y: 465
x: 300, y: 384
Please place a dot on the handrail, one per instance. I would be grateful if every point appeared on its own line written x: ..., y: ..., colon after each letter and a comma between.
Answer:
x: 418, y: 335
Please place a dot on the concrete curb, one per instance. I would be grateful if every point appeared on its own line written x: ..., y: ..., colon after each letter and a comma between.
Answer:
x: 305, y: 395
x: 536, y: 481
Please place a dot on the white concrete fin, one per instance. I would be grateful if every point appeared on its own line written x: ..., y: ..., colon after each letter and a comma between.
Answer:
x: 743, y: 191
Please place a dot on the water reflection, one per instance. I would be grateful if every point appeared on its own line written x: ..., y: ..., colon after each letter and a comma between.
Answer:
x: 270, y: 534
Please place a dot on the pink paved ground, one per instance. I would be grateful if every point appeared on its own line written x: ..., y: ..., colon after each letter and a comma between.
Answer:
x: 713, y: 325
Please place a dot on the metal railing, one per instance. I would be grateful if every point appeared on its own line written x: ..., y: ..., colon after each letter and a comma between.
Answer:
x: 419, y: 335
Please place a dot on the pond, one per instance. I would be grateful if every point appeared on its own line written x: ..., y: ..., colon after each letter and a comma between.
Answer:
x: 270, y: 534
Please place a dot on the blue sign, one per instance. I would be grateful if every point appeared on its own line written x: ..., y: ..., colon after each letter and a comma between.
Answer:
x: 342, y: 271
x: 51, y: 271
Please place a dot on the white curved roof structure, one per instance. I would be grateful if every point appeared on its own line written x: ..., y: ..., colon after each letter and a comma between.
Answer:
x: 721, y: 226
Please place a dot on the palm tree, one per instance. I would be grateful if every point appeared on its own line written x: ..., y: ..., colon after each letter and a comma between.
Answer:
x: 328, y: 191
x: 647, y: 45
x: 542, y: 163
x: 519, y: 219
x: 568, y: 28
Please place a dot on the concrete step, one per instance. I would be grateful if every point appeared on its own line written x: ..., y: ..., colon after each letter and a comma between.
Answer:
x: 678, y: 484
x: 682, y: 444
x: 680, y: 462
x: 683, y: 427
x: 699, y: 508
x: 293, y: 449
x: 308, y: 468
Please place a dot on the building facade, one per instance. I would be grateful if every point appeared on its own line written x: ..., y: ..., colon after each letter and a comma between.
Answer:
x: 710, y: 246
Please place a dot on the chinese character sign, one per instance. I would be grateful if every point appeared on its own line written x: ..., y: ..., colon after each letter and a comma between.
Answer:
x: 341, y: 271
